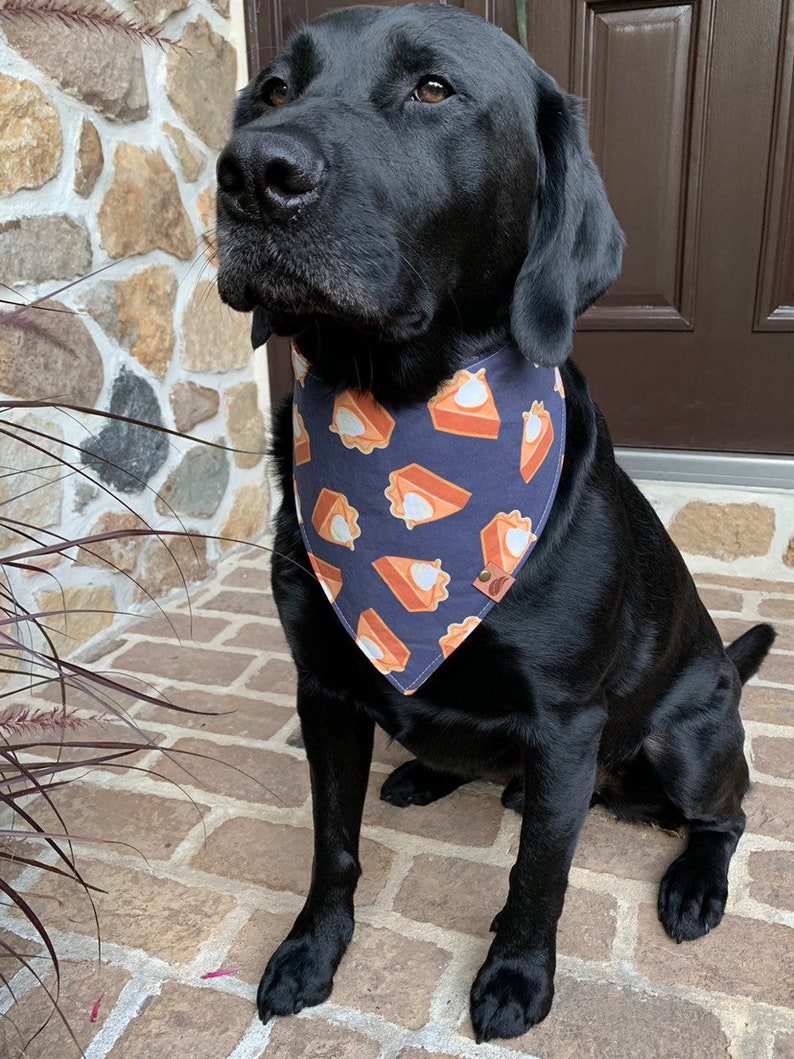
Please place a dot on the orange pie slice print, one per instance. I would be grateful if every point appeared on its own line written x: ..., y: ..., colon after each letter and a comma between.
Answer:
x: 303, y: 451
x: 386, y: 652
x: 335, y: 520
x: 419, y: 584
x: 466, y: 406
x: 361, y: 422
x: 330, y: 577
x: 505, y: 540
x: 417, y: 495
x: 456, y: 634
x: 536, y: 440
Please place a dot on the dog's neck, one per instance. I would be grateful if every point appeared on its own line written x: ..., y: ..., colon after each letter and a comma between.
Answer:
x: 395, y: 373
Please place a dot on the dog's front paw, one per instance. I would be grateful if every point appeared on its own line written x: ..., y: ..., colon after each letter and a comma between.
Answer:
x: 508, y: 997
x: 692, y: 898
x: 300, y: 974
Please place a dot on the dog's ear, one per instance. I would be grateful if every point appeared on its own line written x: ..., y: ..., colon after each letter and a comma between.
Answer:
x: 260, y: 328
x: 575, y: 242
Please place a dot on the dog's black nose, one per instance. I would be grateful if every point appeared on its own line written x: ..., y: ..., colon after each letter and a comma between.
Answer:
x: 270, y: 173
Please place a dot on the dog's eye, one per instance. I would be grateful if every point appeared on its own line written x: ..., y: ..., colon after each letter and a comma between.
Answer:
x: 431, y: 90
x: 275, y: 92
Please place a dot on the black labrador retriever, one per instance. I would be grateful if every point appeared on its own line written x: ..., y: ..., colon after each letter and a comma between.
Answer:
x: 404, y: 191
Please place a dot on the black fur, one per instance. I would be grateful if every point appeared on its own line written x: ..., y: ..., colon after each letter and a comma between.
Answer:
x: 400, y: 239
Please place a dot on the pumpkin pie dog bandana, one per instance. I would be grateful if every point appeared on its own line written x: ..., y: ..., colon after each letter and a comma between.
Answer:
x: 417, y: 520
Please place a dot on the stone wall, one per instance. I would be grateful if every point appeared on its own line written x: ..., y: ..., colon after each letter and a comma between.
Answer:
x: 742, y: 531
x: 107, y: 172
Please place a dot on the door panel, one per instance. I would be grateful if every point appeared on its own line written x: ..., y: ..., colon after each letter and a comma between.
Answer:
x: 714, y: 381
x: 646, y: 90
x: 776, y: 288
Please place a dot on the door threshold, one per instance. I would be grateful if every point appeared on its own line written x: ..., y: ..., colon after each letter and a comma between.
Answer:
x: 714, y: 468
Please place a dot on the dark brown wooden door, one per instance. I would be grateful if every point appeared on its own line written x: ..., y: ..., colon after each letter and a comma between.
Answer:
x: 691, y: 121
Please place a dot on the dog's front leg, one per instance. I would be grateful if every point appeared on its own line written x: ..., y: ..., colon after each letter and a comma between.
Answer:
x: 338, y: 741
x: 514, y: 988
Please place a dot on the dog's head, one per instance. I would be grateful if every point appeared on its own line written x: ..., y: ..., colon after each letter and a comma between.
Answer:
x: 396, y: 170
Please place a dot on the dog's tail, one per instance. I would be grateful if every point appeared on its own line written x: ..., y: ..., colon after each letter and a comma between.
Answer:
x: 748, y: 652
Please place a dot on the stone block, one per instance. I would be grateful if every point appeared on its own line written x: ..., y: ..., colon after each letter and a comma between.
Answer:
x: 143, y: 824
x: 721, y: 599
x: 38, y: 249
x: 205, y: 103
x: 83, y: 983
x: 74, y: 615
x: 215, y: 338
x: 209, y: 219
x: 228, y: 713
x: 48, y: 354
x: 779, y: 669
x: 90, y: 159
x: 593, y: 1020
x: 770, y: 811
x: 187, y: 1020
x: 723, y: 531
x: 264, y: 777
x: 171, y: 562
x: 769, y: 705
x: 257, y: 577
x: 452, y: 893
x: 315, y: 1038
x: 109, y: 79
x: 275, y: 677
x: 741, y: 957
x: 247, y: 517
x: 138, y: 909
x: 249, y: 603
x: 142, y: 210
x: 138, y: 312
x: 465, y: 816
x: 190, y: 160
x: 280, y: 857
x: 192, y: 627
x: 771, y: 878
x: 125, y: 453
x: 780, y: 607
x: 155, y: 12
x: 193, y: 665
x: 121, y: 553
x: 30, y: 485
x: 628, y: 851
x: 775, y: 757
x: 32, y: 140
x: 256, y: 942
x: 260, y: 636
x: 245, y: 424
x: 197, y: 484
x: 193, y: 404
x: 389, y: 975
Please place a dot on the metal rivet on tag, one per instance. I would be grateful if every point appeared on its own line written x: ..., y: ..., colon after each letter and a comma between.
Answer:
x: 485, y: 575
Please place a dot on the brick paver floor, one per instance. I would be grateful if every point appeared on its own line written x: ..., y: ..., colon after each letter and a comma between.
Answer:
x: 205, y: 859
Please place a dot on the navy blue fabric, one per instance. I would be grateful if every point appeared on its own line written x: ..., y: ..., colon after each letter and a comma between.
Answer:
x: 351, y: 502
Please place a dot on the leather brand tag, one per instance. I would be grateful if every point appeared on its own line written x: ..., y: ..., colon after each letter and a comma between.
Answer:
x: 493, y: 582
